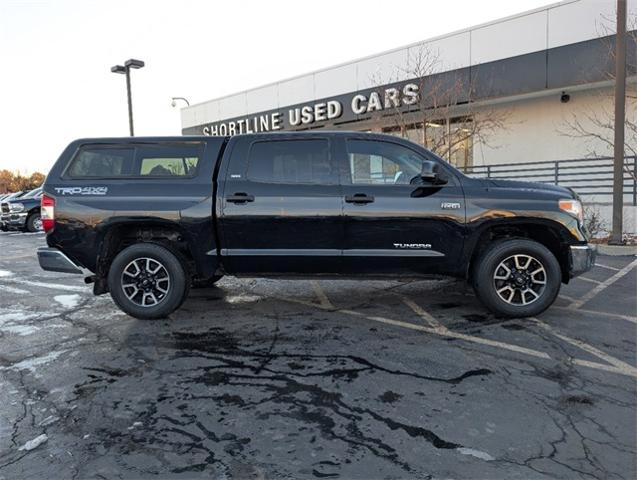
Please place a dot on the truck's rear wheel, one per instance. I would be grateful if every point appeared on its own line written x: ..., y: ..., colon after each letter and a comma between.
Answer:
x: 517, y: 278
x: 147, y: 281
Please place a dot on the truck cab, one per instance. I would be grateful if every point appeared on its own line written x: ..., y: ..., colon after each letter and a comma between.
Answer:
x: 147, y: 218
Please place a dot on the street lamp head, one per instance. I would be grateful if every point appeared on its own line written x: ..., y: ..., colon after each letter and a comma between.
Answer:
x: 174, y: 101
x: 132, y: 63
x: 118, y: 69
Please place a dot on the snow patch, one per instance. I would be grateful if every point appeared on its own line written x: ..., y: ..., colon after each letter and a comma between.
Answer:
x: 18, y: 291
x: 243, y: 299
x: 8, y: 316
x: 32, y: 363
x: 475, y: 453
x: 21, y: 330
x: 54, y: 286
x: 67, y: 301
x: 35, y: 443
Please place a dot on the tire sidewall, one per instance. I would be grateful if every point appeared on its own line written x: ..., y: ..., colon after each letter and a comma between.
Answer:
x: 485, y: 288
x: 178, y: 284
x: 30, y: 226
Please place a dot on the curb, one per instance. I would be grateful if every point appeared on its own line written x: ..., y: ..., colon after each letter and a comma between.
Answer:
x: 617, y: 250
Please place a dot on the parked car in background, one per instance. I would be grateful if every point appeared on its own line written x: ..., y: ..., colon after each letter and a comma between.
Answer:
x: 22, y: 211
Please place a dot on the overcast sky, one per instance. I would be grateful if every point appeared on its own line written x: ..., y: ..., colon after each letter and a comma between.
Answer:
x: 56, y: 55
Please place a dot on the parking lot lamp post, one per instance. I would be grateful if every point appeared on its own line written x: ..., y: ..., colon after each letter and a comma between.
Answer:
x: 125, y: 69
x: 616, y: 237
x: 174, y: 101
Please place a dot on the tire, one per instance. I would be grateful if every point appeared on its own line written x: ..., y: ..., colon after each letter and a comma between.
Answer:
x: 207, y: 283
x: 160, y: 269
x: 34, y: 223
x: 506, y: 293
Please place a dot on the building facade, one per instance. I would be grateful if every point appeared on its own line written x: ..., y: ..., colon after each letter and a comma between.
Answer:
x: 533, y: 87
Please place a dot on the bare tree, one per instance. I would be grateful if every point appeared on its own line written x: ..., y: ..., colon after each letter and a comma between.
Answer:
x: 596, y: 126
x: 445, y: 118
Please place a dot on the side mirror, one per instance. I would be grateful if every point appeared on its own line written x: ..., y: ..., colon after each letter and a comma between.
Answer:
x: 430, y: 173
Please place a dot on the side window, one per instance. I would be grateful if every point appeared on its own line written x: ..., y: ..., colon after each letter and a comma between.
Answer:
x: 168, y: 161
x: 101, y: 162
x: 291, y: 161
x: 374, y: 162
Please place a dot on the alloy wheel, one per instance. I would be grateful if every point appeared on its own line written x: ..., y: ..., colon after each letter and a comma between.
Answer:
x: 145, y: 282
x: 520, y: 279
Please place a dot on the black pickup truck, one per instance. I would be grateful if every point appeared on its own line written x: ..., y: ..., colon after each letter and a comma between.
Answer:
x: 147, y: 218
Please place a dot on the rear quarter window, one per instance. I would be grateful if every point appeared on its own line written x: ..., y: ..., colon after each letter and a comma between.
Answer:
x: 101, y: 162
x: 163, y: 161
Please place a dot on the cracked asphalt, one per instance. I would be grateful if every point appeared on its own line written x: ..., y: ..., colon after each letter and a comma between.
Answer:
x: 263, y: 378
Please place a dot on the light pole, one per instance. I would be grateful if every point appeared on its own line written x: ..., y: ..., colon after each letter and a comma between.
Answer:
x: 125, y: 69
x: 174, y: 101
x: 616, y: 237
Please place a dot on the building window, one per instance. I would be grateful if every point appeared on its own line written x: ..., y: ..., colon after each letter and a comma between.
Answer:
x: 450, y: 139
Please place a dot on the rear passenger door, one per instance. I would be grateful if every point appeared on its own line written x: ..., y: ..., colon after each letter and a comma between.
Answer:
x: 280, y: 206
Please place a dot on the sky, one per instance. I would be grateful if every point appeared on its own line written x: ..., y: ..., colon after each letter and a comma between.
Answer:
x: 55, y: 77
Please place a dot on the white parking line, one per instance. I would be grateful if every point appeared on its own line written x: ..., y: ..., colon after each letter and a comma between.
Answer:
x: 616, y: 366
x: 623, y: 367
x: 588, y: 280
x: 426, y: 316
x: 602, y: 286
x: 628, y: 318
x: 607, y: 267
x: 320, y: 293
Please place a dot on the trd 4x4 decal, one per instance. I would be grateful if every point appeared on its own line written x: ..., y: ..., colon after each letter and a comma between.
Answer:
x: 82, y: 190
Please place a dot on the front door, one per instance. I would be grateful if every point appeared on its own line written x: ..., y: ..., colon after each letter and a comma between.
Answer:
x: 281, y: 207
x: 394, y: 222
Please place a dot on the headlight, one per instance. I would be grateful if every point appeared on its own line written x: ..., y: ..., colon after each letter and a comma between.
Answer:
x: 16, y: 207
x: 574, y: 207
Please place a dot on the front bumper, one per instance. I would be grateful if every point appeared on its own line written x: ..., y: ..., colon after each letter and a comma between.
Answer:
x: 53, y: 260
x: 14, y: 220
x: 581, y: 259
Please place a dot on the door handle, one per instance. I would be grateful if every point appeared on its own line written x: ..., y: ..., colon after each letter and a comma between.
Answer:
x: 240, y: 197
x: 359, y: 198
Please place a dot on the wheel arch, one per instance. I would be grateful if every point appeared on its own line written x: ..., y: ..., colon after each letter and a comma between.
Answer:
x: 116, y: 236
x: 551, y: 234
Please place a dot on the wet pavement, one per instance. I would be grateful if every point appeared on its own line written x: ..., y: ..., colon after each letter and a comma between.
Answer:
x: 263, y: 378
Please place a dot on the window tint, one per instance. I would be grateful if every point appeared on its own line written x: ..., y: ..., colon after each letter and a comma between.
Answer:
x: 148, y: 161
x: 178, y: 167
x: 380, y: 163
x: 291, y: 161
x: 169, y: 160
x: 101, y: 162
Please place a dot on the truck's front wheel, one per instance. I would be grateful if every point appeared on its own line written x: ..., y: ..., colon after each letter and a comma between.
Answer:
x: 147, y: 281
x: 517, y: 278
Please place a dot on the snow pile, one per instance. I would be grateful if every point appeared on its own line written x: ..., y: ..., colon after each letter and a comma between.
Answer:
x: 67, y: 301
x: 35, y: 443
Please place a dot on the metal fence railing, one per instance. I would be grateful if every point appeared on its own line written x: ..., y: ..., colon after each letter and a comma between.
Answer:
x: 590, y: 177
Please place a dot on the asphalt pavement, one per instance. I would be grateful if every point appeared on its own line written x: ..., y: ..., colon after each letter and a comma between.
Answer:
x: 260, y: 378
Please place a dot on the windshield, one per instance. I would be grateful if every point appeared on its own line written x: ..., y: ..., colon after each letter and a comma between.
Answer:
x: 33, y: 193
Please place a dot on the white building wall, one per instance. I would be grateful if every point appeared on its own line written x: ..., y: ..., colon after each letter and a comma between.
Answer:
x: 537, y: 128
